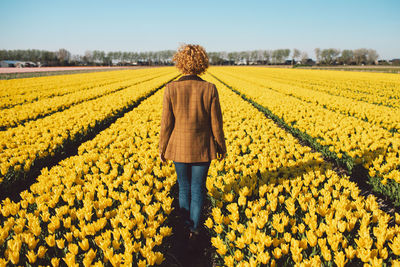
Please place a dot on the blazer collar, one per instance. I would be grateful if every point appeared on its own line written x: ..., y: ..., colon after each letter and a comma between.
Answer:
x: 190, y: 77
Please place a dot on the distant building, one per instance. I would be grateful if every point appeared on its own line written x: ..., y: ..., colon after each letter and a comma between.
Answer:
x: 17, y: 64
x: 395, y: 61
x: 241, y: 62
x: 30, y: 64
x: 289, y: 62
x: 309, y: 61
x: 9, y: 63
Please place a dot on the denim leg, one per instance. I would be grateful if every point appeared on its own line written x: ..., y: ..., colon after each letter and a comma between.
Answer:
x: 183, y: 174
x: 199, y: 175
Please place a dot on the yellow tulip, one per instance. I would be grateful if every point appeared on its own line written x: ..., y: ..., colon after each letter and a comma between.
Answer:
x: 263, y: 257
x: 395, y: 245
x: 55, y: 262
x: 208, y: 223
x: 31, y: 256
x: 69, y: 259
x: 32, y: 242
x: 89, y: 257
x: 238, y: 255
x: 218, y: 228
x: 285, y: 248
x: 326, y: 254
x: 229, y: 261
x: 50, y: 240
x: 73, y: 248
x: 340, y: 259
x: 84, y: 244
x: 60, y: 243
x: 375, y: 262
x: 41, y: 252
x: 277, y: 253
x: 397, y: 218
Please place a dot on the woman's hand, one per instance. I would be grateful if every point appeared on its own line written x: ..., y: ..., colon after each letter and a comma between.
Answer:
x: 162, y: 158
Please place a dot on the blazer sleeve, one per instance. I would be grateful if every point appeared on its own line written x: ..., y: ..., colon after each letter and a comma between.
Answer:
x: 167, y: 121
x: 216, y: 120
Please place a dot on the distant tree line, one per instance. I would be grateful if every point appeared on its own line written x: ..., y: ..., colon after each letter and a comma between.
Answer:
x: 63, y: 57
x: 264, y: 57
x: 350, y: 57
x: 330, y: 56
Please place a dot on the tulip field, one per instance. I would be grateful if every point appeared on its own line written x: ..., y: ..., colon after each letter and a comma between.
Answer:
x: 276, y: 199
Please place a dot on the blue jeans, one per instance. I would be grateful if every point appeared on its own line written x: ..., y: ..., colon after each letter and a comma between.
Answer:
x: 192, y: 185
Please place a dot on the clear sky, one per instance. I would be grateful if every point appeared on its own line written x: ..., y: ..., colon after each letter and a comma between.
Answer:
x: 231, y: 25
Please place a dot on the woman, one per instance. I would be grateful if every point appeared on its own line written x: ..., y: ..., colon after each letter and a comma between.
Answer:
x: 191, y: 130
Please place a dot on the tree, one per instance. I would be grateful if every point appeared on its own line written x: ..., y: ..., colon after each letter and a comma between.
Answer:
x: 232, y: 56
x: 150, y: 57
x: 98, y: 56
x: 295, y: 55
x: 304, y: 57
x: 215, y: 58
x: 279, y: 55
x: 63, y: 55
x: 3, y: 54
x: 88, y: 57
x: 267, y: 56
x: 329, y: 55
x: 247, y: 55
x: 109, y: 58
x: 274, y: 56
x: 360, y: 56
x: 317, y: 54
x: 372, y: 56
x: 285, y: 53
x: 49, y: 58
x: 223, y: 55
x: 260, y: 57
x: 347, y: 56
x: 125, y: 57
x: 253, y: 55
x: 118, y: 55
x: 76, y: 59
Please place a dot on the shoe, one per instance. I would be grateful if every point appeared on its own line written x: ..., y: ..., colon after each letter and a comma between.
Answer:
x: 184, y: 219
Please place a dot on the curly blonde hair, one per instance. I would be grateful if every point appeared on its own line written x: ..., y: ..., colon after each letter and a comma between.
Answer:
x: 191, y: 59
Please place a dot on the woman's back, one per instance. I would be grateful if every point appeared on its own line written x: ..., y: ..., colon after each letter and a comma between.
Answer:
x: 191, y: 112
x: 191, y: 103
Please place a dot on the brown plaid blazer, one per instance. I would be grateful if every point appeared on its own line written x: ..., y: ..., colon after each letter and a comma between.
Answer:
x: 191, y: 120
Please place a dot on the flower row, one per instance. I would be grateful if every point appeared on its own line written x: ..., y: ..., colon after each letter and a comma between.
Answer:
x: 18, y: 114
x: 363, y: 143
x: 374, y: 88
x: 23, y: 146
x: 383, y: 116
x: 19, y: 91
x: 109, y: 204
x: 275, y: 202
